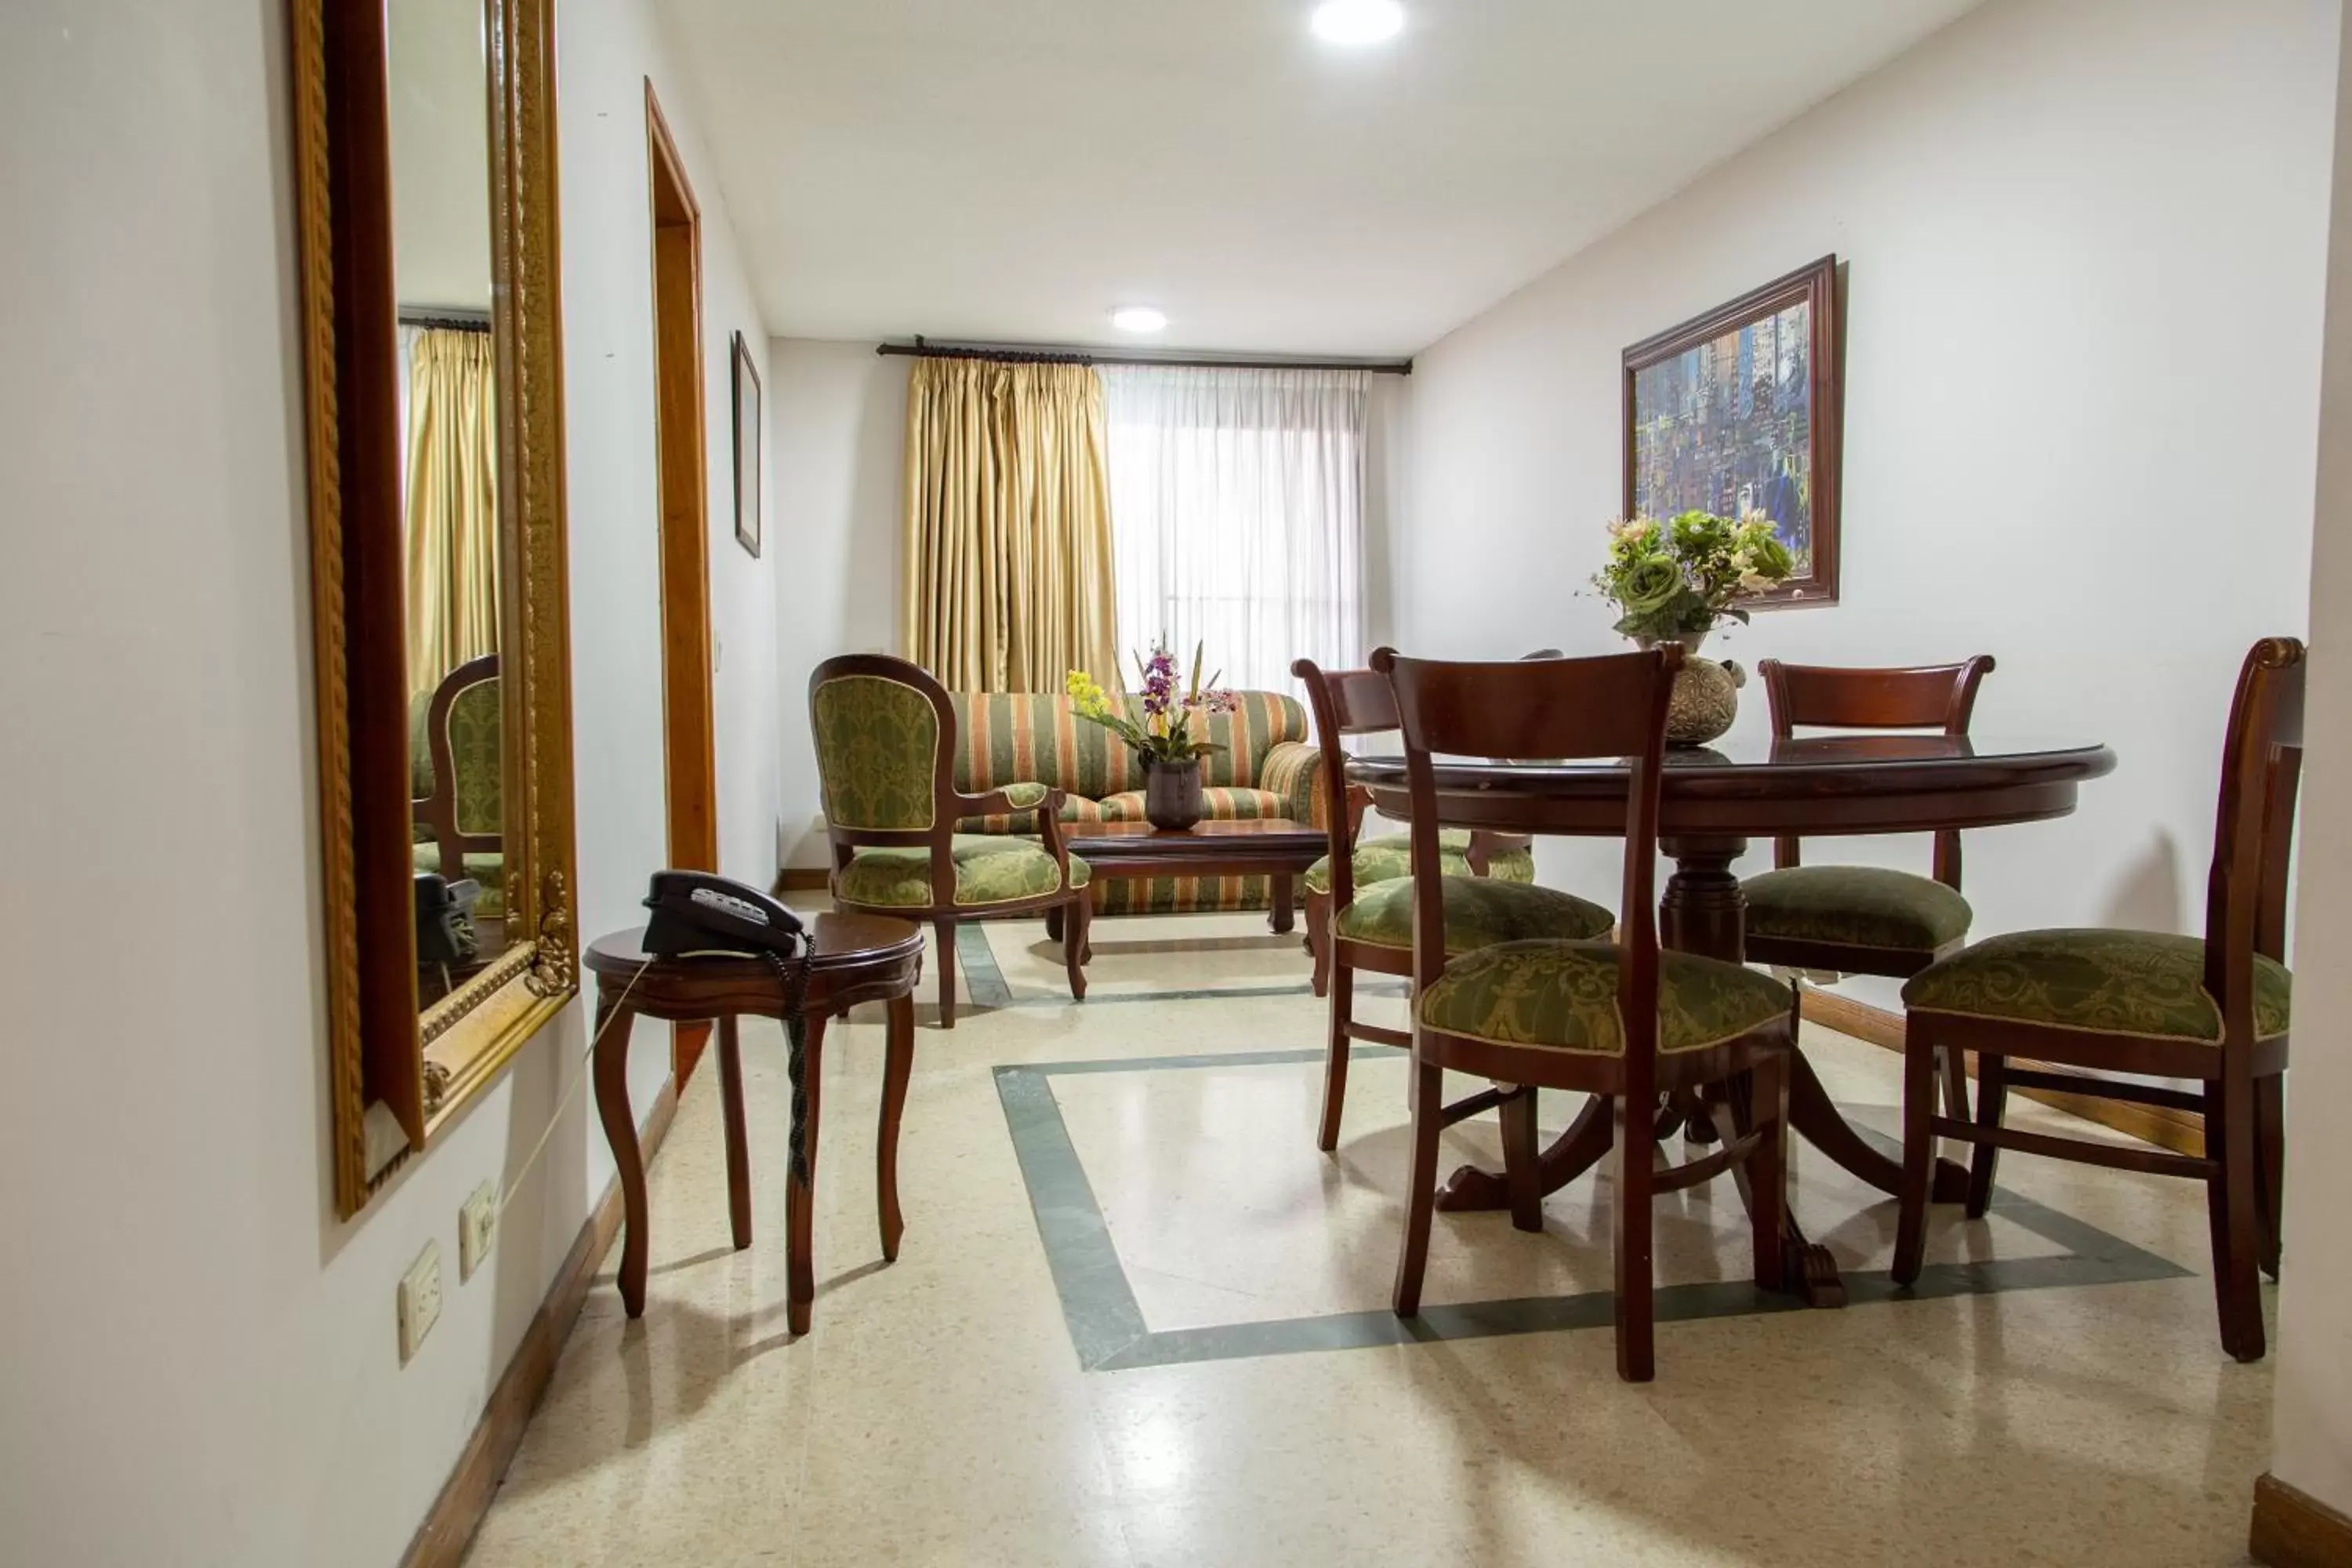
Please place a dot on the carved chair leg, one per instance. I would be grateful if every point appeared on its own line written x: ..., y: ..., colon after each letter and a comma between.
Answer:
x: 1992, y: 1102
x: 1421, y: 1187
x: 1767, y: 1169
x: 1952, y: 1066
x: 1318, y: 939
x: 2270, y: 1111
x: 1918, y: 1153
x: 945, y: 931
x: 1519, y: 1116
x: 1078, y: 928
x: 1633, y: 1166
x: 1054, y: 923
x: 1335, y: 1057
x: 2234, y: 1210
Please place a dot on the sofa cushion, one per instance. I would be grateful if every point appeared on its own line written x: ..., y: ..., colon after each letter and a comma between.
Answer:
x: 1857, y: 906
x: 2105, y: 982
x: 1390, y: 855
x: 1218, y: 804
x: 1562, y: 996
x: 1479, y: 912
x: 991, y: 868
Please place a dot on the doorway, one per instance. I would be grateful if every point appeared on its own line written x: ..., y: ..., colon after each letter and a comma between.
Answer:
x: 689, y: 770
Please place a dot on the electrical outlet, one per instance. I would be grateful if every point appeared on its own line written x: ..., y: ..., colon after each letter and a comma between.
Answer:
x: 478, y: 1229
x: 420, y: 1300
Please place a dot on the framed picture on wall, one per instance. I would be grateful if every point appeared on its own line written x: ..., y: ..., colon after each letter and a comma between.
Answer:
x: 747, y: 447
x: 1740, y: 410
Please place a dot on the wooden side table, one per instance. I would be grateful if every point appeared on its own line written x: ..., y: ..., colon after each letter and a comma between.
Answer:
x: 860, y: 958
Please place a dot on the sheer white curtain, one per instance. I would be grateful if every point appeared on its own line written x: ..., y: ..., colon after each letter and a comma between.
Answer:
x: 1237, y: 515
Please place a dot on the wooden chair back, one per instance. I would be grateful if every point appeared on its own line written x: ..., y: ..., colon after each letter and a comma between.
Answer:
x: 907, y: 799
x: 1614, y: 707
x: 886, y: 768
x: 1358, y: 702
x: 1344, y: 702
x: 2262, y: 769
x: 439, y: 811
x: 1917, y: 697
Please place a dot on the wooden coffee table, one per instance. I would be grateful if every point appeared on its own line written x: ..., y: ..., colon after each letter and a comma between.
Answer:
x: 1270, y: 846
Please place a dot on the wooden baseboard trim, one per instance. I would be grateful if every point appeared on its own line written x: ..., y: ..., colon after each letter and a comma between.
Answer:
x: 2181, y: 1132
x: 2292, y: 1529
x: 442, y: 1540
x: 802, y: 880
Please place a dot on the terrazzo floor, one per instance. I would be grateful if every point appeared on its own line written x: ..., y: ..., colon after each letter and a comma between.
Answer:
x: 1138, y: 1319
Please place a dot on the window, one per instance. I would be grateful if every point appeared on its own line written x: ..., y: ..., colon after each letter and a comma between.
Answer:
x: 1237, y: 515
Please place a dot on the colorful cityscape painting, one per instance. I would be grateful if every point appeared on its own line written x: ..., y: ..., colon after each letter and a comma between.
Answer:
x: 1726, y: 426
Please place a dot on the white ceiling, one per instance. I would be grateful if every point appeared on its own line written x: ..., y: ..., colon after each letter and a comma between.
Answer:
x: 1010, y: 170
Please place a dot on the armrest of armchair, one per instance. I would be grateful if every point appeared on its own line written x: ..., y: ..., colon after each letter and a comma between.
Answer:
x: 1009, y: 808
x: 1294, y: 770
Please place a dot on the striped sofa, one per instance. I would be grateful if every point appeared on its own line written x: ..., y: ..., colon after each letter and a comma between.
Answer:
x: 1269, y: 767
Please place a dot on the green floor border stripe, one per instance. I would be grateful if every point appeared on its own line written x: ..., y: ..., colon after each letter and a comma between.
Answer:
x: 984, y: 981
x: 1108, y: 1332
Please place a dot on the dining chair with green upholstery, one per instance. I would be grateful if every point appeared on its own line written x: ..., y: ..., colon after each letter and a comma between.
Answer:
x: 458, y: 781
x: 2213, y: 1010
x: 1623, y: 1021
x: 1866, y: 920
x: 886, y: 751
x: 1360, y: 896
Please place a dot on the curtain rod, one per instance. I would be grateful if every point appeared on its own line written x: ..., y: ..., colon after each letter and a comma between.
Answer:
x: 923, y: 348
x: 448, y: 320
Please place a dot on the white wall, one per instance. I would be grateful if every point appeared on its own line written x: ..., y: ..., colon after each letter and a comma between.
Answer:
x: 838, y: 418
x: 2312, y: 1436
x: 2086, y: 241
x: 202, y: 1364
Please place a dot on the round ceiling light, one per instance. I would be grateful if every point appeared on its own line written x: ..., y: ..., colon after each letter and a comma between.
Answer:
x: 1137, y: 319
x: 1357, y: 22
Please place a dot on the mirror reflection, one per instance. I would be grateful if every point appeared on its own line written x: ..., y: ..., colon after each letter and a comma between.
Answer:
x: 440, y: 102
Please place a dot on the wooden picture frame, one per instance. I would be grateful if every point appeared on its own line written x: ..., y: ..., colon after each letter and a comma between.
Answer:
x: 1699, y: 436
x: 748, y: 414
x: 398, y: 1073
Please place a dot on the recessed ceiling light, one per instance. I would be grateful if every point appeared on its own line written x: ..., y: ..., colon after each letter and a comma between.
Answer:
x: 1137, y: 319
x: 1355, y: 22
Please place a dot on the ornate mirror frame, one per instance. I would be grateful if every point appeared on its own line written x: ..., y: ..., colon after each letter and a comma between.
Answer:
x: 389, y: 1096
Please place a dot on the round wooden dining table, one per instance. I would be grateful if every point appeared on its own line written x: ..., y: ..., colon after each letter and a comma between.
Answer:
x: 1713, y: 801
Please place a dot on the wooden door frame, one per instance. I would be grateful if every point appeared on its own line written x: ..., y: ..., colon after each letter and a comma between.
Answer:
x: 690, y: 767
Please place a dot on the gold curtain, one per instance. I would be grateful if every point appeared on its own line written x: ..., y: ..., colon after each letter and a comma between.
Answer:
x: 452, y: 504
x: 1008, y: 562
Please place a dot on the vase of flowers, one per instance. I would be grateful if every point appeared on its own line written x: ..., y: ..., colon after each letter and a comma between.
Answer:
x: 1164, y: 738
x: 1673, y: 582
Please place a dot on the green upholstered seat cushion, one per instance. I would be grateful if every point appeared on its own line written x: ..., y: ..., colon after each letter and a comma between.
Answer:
x: 991, y: 868
x: 490, y: 870
x: 1857, y: 906
x: 1390, y: 855
x: 1563, y: 996
x: 1479, y: 912
x: 2107, y: 981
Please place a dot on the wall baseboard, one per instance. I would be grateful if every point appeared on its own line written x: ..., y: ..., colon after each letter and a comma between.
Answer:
x: 442, y: 1539
x: 2181, y: 1132
x: 2292, y: 1529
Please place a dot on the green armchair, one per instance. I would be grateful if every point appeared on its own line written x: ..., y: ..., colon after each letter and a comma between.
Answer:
x: 458, y: 782
x: 886, y: 756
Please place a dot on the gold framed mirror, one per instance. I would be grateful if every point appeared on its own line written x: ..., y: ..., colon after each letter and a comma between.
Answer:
x: 426, y: 157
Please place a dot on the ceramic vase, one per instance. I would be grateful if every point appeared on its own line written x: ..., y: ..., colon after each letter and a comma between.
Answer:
x: 1171, y: 794
x: 1706, y: 693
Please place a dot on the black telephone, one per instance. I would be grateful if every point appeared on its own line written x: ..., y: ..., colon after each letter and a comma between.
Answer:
x: 698, y: 915
x: 695, y: 913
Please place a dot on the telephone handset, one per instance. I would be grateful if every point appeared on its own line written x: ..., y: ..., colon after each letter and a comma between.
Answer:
x: 695, y: 913
x: 698, y: 915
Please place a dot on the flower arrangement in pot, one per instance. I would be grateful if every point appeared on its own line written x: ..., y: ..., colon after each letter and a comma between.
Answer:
x: 1673, y: 582
x: 1164, y: 738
